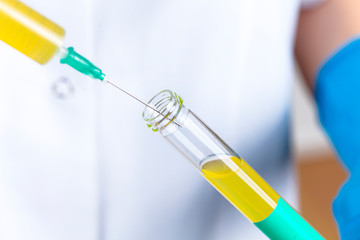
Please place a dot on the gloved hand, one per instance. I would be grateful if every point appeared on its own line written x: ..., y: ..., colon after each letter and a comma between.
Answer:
x: 346, y: 207
x: 337, y: 94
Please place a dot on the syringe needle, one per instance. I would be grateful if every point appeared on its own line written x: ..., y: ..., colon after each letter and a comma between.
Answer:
x: 136, y: 98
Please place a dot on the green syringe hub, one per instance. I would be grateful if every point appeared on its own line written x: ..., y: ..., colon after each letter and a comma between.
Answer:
x: 81, y: 64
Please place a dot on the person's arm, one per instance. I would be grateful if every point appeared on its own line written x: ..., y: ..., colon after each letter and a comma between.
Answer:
x: 328, y: 51
x: 322, y: 30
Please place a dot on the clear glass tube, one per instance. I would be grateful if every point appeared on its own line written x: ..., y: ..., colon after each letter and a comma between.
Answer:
x: 216, y: 161
x: 223, y: 168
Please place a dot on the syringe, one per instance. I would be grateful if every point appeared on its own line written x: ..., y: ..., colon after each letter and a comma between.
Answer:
x: 40, y: 39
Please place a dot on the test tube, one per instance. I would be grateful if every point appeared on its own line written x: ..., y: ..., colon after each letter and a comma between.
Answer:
x: 39, y: 38
x: 225, y: 170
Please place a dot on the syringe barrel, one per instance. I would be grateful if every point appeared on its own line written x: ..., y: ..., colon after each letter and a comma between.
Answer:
x: 225, y: 170
x: 29, y: 32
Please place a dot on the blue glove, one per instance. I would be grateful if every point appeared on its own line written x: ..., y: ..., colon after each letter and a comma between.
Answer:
x: 346, y: 208
x: 337, y: 94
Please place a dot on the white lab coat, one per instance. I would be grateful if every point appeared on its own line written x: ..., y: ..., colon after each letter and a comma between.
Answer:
x: 87, y: 167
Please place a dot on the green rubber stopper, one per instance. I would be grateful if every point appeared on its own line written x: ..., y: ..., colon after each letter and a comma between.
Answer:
x: 81, y: 64
x: 284, y: 223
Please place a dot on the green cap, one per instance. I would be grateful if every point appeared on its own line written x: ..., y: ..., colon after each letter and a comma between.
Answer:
x: 81, y: 64
x: 284, y: 223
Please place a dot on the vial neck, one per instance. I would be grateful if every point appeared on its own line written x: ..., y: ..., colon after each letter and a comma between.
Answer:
x: 168, y: 112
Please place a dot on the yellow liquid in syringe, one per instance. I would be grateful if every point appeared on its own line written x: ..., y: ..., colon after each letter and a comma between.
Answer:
x: 242, y: 186
x: 28, y: 31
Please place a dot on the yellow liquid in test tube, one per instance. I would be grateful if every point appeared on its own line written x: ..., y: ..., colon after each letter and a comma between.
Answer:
x: 28, y: 31
x: 242, y: 186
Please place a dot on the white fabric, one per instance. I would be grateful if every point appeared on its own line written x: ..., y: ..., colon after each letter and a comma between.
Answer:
x: 86, y: 167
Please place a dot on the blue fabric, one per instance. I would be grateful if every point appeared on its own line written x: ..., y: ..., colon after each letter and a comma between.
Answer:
x: 337, y: 94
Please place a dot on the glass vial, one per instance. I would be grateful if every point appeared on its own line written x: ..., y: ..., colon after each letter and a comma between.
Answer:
x: 224, y: 169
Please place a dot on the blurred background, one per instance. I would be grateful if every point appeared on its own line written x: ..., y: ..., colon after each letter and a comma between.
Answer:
x: 320, y: 175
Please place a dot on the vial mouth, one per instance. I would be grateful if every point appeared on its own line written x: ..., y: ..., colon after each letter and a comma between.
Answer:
x: 167, y: 105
